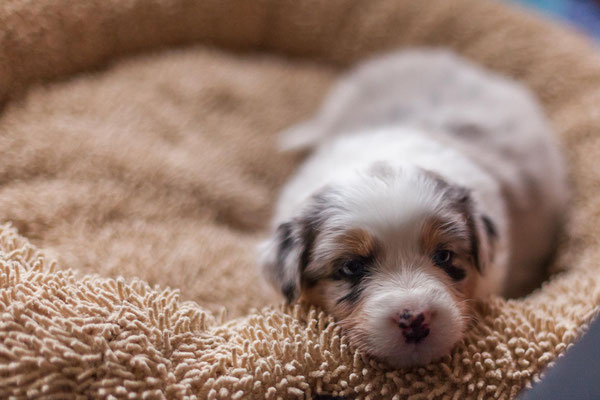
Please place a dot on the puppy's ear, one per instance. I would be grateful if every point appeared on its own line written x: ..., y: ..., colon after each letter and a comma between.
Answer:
x: 280, y: 259
x: 285, y: 256
x: 491, y: 235
x: 482, y: 230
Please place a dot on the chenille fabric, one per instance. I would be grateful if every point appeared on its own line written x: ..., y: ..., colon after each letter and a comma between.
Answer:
x: 138, y: 171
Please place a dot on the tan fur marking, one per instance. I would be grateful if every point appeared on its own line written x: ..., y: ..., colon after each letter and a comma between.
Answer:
x: 314, y: 296
x: 358, y: 242
x: 431, y: 235
x: 324, y: 295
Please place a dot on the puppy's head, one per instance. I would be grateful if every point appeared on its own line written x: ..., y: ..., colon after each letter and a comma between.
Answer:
x: 394, y: 255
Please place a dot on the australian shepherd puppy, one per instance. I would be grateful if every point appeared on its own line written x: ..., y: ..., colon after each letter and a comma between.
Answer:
x: 431, y: 183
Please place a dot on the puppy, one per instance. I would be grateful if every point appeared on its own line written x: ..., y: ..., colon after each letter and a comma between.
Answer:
x: 432, y: 182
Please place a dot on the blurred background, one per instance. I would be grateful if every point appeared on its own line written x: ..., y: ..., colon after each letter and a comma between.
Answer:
x: 584, y: 15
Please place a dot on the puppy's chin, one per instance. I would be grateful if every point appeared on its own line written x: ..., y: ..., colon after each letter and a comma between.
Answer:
x: 374, y: 329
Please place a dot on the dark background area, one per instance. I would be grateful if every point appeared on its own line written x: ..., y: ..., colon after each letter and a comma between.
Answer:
x: 583, y: 14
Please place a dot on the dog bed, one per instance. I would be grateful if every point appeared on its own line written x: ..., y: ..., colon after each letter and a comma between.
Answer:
x: 138, y: 171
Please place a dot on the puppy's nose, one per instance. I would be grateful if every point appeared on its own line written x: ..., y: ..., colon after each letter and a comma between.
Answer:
x: 414, y: 326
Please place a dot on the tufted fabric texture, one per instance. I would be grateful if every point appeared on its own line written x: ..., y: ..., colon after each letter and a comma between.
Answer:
x: 137, y: 150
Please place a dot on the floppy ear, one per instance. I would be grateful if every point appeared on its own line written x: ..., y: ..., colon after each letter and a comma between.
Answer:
x: 491, y: 235
x: 280, y: 259
x: 481, y: 245
x: 482, y: 230
x: 285, y: 256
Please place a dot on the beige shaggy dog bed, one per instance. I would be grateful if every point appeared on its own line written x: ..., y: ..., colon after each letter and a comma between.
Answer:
x: 161, y: 168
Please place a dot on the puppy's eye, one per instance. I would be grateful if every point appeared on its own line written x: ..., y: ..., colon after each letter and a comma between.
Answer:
x: 353, y: 268
x: 443, y: 258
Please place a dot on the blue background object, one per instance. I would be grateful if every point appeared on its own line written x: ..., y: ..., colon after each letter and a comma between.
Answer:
x: 583, y: 14
x: 576, y: 376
